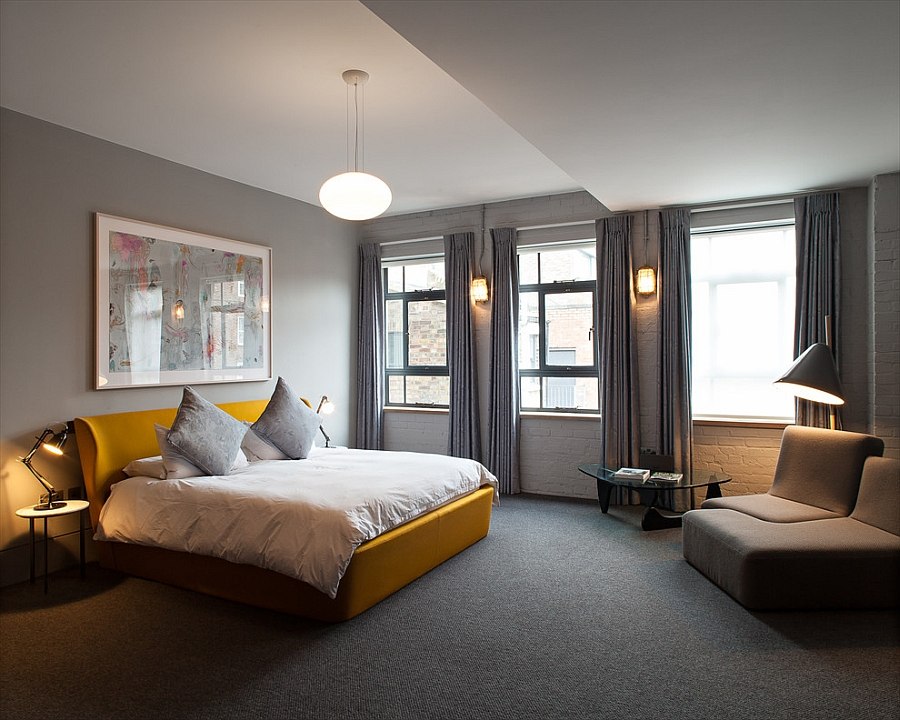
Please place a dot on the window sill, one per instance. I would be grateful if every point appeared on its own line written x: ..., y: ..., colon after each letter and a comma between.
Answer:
x: 558, y: 415
x: 773, y: 423
x: 410, y: 409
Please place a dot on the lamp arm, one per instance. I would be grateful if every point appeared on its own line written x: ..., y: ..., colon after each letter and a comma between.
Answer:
x: 40, y: 478
x: 327, y: 439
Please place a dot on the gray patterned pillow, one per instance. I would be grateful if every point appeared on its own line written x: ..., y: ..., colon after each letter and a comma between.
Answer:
x: 207, y: 436
x: 287, y: 423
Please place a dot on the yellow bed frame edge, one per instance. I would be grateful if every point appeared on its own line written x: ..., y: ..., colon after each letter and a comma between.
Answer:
x: 380, y: 567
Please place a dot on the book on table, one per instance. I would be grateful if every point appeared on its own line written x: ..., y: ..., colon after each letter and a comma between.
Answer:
x: 626, y: 473
x: 666, y: 477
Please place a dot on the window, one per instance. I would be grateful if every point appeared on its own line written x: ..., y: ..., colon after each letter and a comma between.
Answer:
x: 223, y: 333
x: 743, y: 321
x: 557, y: 344
x: 416, y: 327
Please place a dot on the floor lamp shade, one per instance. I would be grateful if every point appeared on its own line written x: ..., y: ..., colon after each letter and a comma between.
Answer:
x: 813, y: 376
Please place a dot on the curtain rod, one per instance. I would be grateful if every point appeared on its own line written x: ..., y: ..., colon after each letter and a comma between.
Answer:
x: 752, y: 201
x: 408, y: 242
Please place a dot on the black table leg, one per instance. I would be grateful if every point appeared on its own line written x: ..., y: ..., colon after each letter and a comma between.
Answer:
x: 31, y: 532
x: 657, y: 519
x: 81, y: 540
x: 604, y: 490
x: 46, y: 556
x: 714, y: 491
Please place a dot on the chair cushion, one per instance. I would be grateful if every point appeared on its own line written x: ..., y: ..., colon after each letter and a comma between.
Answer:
x: 822, y: 467
x: 878, y: 503
x: 770, y: 508
x: 835, y: 563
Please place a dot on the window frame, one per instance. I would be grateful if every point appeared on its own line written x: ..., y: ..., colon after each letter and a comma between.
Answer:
x: 406, y: 297
x: 558, y: 287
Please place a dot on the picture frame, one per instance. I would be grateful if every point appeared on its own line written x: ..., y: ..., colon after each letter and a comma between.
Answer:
x: 175, y: 307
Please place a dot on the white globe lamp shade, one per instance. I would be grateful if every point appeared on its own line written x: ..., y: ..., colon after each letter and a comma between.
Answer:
x: 355, y: 196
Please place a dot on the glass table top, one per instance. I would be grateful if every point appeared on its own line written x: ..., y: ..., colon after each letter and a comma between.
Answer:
x: 699, y: 478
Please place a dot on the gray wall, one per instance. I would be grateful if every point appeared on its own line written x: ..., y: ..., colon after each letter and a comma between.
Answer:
x: 52, y: 180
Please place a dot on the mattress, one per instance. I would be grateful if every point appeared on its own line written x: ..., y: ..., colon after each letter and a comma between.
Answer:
x: 301, y: 518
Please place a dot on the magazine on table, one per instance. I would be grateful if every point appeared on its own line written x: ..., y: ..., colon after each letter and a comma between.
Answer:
x: 626, y: 473
x: 666, y: 477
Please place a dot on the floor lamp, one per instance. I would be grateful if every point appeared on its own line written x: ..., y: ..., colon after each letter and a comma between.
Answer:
x: 813, y: 376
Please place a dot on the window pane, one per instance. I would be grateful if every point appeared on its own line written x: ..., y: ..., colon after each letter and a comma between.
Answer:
x: 395, y: 278
x: 570, y: 264
x: 425, y: 276
x: 394, y: 322
x: 742, y: 321
x: 530, y: 393
x: 428, y: 389
x: 427, y: 333
x: 395, y: 390
x: 528, y: 268
x: 529, y: 339
x: 569, y: 318
x: 571, y: 393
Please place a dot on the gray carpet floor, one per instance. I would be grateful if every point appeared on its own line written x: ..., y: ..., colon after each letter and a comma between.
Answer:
x: 560, y: 612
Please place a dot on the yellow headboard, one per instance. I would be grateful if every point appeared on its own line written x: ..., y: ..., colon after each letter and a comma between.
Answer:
x: 107, y: 443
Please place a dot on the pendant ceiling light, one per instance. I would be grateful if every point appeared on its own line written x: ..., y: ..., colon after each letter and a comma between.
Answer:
x: 355, y: 195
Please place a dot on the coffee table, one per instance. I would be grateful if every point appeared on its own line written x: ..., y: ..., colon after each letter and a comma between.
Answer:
x: 655, y: 518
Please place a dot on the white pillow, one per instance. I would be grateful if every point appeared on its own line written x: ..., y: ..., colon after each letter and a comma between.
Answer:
x: 146, y: 467
x: 177, y: 466
x: 256, y: 448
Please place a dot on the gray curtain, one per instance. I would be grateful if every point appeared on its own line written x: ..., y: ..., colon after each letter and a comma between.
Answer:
x: 674, y: 346
x: 818, y: 229
x: 620, y: 411
x: 503, y: 412
x: 370, y: 351
x: 464, y: 438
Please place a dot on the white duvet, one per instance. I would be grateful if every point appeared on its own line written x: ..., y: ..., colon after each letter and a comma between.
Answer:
x: 302, y: 518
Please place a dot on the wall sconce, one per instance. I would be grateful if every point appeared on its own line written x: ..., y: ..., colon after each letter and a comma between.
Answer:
x: 178, y: 310
x: 479, y: 289
x: 646, y: 280
x: 326, y: 407
x: 52, y: 442
x: 646, y: 275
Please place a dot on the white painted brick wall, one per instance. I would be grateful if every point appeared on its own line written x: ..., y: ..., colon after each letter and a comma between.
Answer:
x: 885, y: 407
x: 747, y: 454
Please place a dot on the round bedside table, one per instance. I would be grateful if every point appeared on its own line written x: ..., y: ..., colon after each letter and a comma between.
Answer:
x: 71, y: 506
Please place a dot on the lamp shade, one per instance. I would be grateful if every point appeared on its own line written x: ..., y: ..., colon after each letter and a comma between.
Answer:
x: 813, y: 376
x: 355, y: 196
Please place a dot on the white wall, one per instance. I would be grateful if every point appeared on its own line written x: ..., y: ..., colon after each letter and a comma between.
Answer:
x: 552, y: 446
x: 52, y: 180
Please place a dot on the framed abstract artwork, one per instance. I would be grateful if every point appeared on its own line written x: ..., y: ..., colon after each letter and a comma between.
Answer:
x: 177, y: 307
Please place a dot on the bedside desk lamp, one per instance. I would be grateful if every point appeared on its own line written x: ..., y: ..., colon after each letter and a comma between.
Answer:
x: 326, y: 407
x: 52, y: 442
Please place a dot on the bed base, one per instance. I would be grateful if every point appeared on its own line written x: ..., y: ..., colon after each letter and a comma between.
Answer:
x: 379, y: 567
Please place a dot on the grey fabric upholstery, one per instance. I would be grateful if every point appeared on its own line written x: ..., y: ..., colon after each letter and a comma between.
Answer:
x: 798, y: 546
x: 878, y: 503
x: 835, y: 563
x: 770, y: 508
x: 817, y: 476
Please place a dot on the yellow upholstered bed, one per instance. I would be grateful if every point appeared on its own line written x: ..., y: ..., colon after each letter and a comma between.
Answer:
x: 106, y: 443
